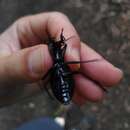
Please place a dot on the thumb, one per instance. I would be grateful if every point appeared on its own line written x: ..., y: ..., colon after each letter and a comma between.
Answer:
x: 25, y: 66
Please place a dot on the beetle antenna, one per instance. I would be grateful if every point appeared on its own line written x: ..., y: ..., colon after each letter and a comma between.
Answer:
x: 69, y: 38
x: 78, y: 62
x: 62, y: 36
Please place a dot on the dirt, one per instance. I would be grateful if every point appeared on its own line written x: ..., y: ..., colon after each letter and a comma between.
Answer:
x: 105, y: 26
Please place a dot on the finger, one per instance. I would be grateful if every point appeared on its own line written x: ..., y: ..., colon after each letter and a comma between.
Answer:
x: 79, y: 99
x: 25, y: 66
x: 101, y: 71
x: 40, y: 26
x: 88, y: 89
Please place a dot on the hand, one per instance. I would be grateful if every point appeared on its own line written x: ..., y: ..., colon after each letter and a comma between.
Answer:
x: 24, y: 58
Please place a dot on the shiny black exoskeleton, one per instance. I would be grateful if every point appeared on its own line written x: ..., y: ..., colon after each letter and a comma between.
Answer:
x: 62, y: 82
x: 61, y: 76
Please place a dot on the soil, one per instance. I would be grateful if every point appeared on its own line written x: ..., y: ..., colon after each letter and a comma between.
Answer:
x: 105, y: 26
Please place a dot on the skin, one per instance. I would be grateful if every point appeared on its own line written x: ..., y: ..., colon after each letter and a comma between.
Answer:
x: 24, y: 56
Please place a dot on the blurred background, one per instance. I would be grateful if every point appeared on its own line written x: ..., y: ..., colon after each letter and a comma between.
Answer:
x: 102, y: 24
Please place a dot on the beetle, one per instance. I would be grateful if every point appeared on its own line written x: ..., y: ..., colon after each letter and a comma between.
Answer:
x: 61, y: 76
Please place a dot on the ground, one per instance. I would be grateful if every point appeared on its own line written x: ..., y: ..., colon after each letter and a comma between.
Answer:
x: 105, y: 26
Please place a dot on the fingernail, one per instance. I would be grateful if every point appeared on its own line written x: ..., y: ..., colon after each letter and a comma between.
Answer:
x: 75, y: 57
x: 75, y: 67
x: 75, y: 54
x: 35, y: 62
x: 120, y: 73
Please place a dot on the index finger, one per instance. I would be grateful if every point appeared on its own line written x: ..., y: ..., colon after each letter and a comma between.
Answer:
x: 37, y: 27
x: 101, y: 71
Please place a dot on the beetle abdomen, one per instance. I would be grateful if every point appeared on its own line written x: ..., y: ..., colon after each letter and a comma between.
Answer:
x: 63, y: 92
x: 63, y: 89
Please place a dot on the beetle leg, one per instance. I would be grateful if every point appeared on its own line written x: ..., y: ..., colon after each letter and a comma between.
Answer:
x: 71, y: 73
x: 46, y: 83
x: 48, y: 92
x: 64, y: 50
x: 47, y: 74
x: 77, y: 62
x: 46, y: 89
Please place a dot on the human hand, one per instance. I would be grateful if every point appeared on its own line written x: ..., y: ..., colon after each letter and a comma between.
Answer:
x: 24, y: 58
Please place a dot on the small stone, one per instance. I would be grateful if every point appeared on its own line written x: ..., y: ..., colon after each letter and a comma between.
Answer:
x: 127, y: 106
x: 94, y: 109
x: 126, y: 125
x: 117, y: 1
x: 104, y: 7
x: 112, y: 14
x: 129, y: 88
x: 31, y: 105
x: 115, y: 30
x: 128, y: 14
x: 124, y: 17
x: 78, y: 3
x: 109, y: 52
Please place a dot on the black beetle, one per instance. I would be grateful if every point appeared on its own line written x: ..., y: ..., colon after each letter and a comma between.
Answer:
x: 61, y: 76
